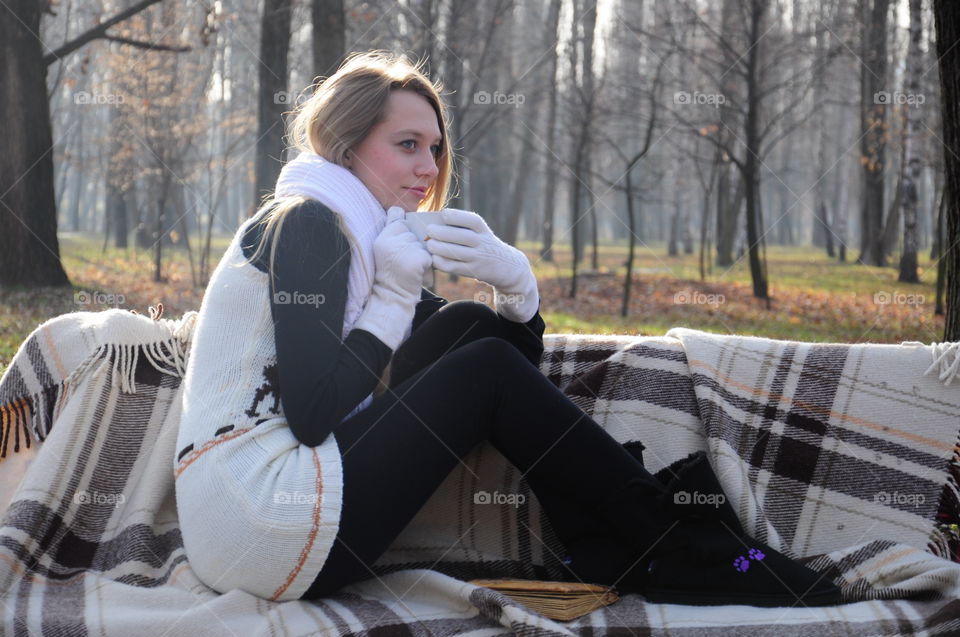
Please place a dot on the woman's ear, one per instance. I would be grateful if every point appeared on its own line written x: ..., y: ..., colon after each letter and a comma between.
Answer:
x: 348, y: 160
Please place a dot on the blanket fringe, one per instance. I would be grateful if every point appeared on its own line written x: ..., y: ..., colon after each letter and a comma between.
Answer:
x: 30, y: 417
x: 14, y: 420
x: 167, y: 356
x: 946, y: 356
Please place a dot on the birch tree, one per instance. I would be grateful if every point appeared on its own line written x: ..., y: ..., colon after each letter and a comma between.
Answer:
x: 911, y: 152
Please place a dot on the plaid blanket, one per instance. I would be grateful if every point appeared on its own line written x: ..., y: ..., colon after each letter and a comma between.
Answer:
x: 844, y: 456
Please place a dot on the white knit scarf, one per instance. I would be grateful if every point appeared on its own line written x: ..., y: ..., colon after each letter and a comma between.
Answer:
x: 337, y: 188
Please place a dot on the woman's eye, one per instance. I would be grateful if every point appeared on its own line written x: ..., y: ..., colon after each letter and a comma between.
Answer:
x: 409, y: 144
x: 435, y: 149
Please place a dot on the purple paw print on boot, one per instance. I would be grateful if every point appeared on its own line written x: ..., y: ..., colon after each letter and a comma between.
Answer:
x: 756, y: 554
x: 741, y: 564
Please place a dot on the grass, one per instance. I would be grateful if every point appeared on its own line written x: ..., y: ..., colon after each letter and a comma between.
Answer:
x: 813, y: 297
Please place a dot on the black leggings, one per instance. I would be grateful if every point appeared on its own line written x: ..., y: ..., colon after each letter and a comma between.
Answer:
x: 455, y: 383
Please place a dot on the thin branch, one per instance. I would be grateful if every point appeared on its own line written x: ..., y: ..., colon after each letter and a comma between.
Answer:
x: 96, y: 32
x: 147, y: 45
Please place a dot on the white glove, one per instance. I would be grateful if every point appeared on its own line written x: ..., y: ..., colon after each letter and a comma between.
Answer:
x: 401, y: 261
x: 466, y: 246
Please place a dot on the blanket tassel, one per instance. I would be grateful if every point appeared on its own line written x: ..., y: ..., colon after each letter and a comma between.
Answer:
x: 946, y: 357
x: 167, y: 356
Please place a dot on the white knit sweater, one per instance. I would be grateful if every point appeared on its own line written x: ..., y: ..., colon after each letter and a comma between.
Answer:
x: 258, y: 510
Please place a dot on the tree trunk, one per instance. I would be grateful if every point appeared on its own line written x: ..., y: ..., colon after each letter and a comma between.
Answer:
x: 728, y: 209
x: 272, y: 96
x: 585, y: 168
x: 575, y: 200
x: 29, y: 251
x: 947, y: 16
x: 329, y: 36
x: 891, y: 227
x: 727, y: 231
x: 116, y: 208
x: 524, y: 168
x: 117, y: 215
x: 941, y: 263
x: 751, y: 172
x: 631, y: 220
x: 821, y: 229
x: 594, y: 221
x: 550, y: 167
x: 911, y: 172
x: 823, y: 220
x: 873, y: 106
x: 672, y: 237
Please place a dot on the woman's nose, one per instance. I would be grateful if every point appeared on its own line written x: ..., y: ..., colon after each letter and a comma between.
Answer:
x: 428, y: 167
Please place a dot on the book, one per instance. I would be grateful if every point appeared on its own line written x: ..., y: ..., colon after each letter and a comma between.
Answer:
x: 557, y: 600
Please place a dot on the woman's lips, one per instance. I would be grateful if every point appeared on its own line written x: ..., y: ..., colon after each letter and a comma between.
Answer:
x: 420, y: 192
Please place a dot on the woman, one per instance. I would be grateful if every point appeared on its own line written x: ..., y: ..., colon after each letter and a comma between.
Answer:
x: 287, y: 458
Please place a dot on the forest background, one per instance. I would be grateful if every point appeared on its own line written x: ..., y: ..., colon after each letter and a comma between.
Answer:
x: 782, y: 168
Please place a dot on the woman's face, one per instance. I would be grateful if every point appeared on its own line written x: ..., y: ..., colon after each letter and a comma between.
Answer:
x: 397, y: 160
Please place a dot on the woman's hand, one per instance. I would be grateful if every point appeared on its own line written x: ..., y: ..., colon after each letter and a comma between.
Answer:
x: 466, y: 246
x: 401, y: 259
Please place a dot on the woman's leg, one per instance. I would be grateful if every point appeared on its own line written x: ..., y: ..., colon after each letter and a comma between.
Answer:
x: 462, y: 322
x: 401, y: 448
x: 452, y: 326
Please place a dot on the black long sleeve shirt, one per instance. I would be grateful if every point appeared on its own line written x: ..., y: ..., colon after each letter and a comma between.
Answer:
x: 322, y: 376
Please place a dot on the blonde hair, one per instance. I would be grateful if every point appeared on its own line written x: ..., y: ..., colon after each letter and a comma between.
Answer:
x: 342, y: 111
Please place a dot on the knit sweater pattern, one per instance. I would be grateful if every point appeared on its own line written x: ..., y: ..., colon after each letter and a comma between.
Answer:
x: 258, y: 510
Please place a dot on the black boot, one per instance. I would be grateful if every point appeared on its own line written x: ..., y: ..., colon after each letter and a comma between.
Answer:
x: 693, y: 550
x: 596, y: 559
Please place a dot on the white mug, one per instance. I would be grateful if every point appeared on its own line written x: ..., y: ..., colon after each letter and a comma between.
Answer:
x: 418, y: 222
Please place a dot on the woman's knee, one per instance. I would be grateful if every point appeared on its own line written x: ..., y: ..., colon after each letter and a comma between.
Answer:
x: 471, y: 313
x: 493, y: 353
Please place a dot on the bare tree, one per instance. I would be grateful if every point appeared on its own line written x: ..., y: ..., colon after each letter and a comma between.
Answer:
x: 947, y: 15
x: 584, y: 104
x: 550, y: 163
x: 329, y: 36
x: 630, y: 163
x: 911, y: 172
x: 272, y: 96
x: 768, y: 102
x: 873, y: 126
x: 29, y: 250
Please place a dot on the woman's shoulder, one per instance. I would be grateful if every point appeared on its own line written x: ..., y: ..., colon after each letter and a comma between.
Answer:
x: 304, y: 222
x: 299, y: 208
